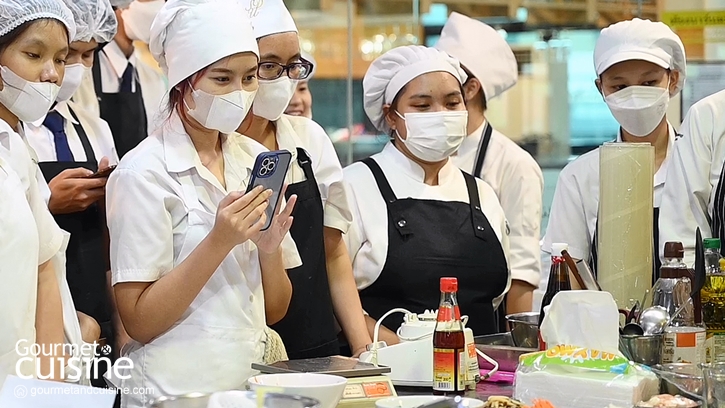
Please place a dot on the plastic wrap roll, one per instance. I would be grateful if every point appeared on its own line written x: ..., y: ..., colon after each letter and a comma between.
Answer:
x: 625, y: 222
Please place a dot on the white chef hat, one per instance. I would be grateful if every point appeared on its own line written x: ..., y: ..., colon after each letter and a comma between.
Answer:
x: 390, y: 72
x: 95, y: 19
x: 189, y: 35
x: 14, y: 13
x: 643, y: 40
x: 482, y: 51
x: 307, y: 56
x: 269, y: 17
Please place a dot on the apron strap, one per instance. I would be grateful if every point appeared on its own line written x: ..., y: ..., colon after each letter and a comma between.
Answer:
x: 96, y: 71
x: 303, y: 159
x: 386, y: 191
x: 482, y: 149
x: 87, y: 148
x: 475, y: 204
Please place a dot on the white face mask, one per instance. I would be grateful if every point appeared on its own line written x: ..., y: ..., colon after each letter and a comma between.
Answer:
x: 72, y: 79
x: 434, y: 136
x: 29, y: 101
x: 138, y: 17
x: 639, y: 109
x: 274, y: 97
x: 221, y: 112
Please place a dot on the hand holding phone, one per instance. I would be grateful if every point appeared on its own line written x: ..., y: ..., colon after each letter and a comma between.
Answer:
x: 103, y: 173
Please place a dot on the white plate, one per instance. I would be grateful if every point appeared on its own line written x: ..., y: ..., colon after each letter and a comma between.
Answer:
x: 414, y: 401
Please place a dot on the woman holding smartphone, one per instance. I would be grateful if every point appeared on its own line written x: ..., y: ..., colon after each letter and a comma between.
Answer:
x: 34, y: 37
x: 417, y: 216
x: 189, y: 261
x: 323, y: 287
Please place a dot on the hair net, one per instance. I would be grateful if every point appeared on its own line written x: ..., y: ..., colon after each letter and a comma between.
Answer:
x: 121, y: 3
x: 641, y: 40
x: 482, y: 51
x: 14, y: 13
x: 189, y: 35
x: 95, y: 20
x: 390, y: 72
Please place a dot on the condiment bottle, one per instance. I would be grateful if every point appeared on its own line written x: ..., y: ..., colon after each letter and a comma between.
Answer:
x: 684, y: 340
x: 558, y: 281
x: 713, y: 305
x: 449, y: 344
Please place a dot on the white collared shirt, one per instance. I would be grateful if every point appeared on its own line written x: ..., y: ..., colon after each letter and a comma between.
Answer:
x: 113, y: 63
x: 574, y: 210
x: 519, y: 184
x: 147, y: 213
x: 367, y: 238
x: 42, y: 140
x: 694, y: 176
x: 298, y: 131
x: 16, y: 154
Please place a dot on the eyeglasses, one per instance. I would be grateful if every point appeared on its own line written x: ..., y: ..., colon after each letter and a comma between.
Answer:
x: 296, y: 70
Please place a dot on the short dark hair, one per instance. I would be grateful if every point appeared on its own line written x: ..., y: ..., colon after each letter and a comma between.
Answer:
x: 13, y: 35
x: 484, y: 104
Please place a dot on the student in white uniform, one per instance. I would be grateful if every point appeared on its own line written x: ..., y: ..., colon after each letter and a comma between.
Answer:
x: 323, y: 287
x: 486, y: 153
x: 123, y: 88
x: 416, y: 216
x: 34, y: 37
x: 70, y: 144
x: 301, y: 102
x: 694, y: 195
x: 195, y: 279
x: 640, y: 65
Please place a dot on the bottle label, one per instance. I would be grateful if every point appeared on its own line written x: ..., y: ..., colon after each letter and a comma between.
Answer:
x: 449, y: 369
x: 715, y: 345
x: 473, y: 372
x: 685, y: 345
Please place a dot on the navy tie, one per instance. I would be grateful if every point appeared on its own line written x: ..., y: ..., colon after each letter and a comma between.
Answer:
x: 127, y: 79
x: 55, y: 123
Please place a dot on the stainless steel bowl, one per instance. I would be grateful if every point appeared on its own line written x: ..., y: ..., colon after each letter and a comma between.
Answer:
x: 645, y: 350
x: 193, y: 400
x: 680, y: 378
x: 524, y: 329
x: 201, y: 400
x: 500, y: 347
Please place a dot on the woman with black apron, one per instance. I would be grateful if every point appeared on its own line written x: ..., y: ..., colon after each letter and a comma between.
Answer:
x: 640, y: 65
x: 70, y: 145
x: 323, y: 287
x: 417, y: 217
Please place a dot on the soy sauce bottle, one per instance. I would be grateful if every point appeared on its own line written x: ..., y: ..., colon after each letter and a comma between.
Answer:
x: 558, y: 281
x: 449, y: 344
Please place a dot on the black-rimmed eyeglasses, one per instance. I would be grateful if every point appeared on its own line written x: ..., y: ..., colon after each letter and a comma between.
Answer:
x: 296, y: 70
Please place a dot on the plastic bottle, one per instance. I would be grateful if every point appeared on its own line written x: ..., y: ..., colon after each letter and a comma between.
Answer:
x: 449, y: 344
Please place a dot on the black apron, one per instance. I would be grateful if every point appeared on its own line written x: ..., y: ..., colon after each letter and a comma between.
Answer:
x: 124, y: 112
x: 428, y: 240
x: 85, y: 261
x: 717, y: 224
x: 308, y: 330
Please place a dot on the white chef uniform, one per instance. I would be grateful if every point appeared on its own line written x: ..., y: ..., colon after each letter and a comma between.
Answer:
x: 41, y: 139
x: 693, y: 196
x: 161, y: 203
x: 30, y: 238
x: 113, y: 63
x: 511, y: 171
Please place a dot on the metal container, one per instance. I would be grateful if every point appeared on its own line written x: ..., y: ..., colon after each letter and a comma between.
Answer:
x: 524, y: 329
x: 645, y: 350
x: 680, y: 378
x: 201, y: 400
x: 500, y: 347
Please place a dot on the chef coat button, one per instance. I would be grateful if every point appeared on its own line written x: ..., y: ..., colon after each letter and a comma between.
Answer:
x: 402, y: 223
x: 480, y: 228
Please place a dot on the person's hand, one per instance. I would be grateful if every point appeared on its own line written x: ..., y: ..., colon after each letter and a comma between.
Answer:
x: 90, y: 329
x: 71, y: 191
x: 269, y: 241
x: 241, y: 216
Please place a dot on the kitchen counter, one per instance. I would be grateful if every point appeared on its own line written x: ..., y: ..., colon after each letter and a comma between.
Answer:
x: 483, y: 390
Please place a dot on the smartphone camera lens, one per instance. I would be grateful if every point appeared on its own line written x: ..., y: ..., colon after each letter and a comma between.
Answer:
x: 267, y: 167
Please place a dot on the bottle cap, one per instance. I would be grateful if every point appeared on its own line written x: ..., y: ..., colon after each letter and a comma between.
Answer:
x: 449, y: 284
x: 712, y: 243
x: 674, y: 250
x: 557, y: 248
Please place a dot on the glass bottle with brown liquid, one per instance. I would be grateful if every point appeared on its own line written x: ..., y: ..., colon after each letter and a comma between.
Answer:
x: 449, y: 344
x: 558, y: 281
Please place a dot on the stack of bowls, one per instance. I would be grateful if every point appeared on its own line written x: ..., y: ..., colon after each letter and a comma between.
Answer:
x: 644, y: 349
x: 524, y: 329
